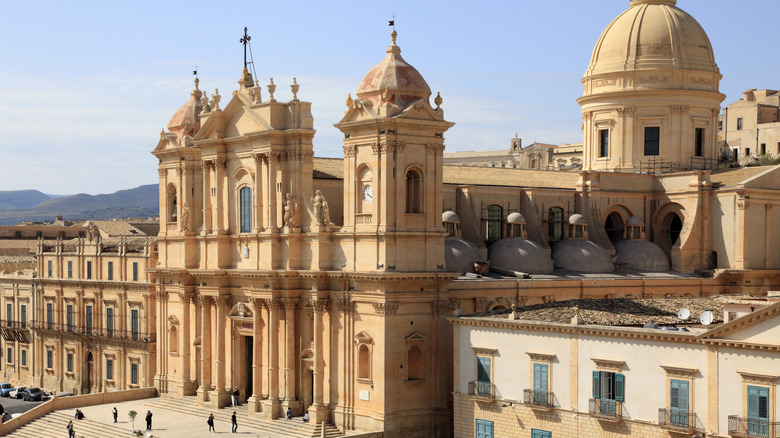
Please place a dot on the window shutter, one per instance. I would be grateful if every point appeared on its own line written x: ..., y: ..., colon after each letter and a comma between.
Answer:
x: 596, y: 384
x: 674, y: 394
x: 683, y: 401
x: 619, y: 387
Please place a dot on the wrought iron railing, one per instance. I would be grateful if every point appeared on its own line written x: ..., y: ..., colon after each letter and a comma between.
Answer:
x: 17, y: 325
x: 538, y: 398
x: 127, y: 335
x: 675, y: 420
x: 606, y: 409
x: 741, y: 427
x: 482, y: 389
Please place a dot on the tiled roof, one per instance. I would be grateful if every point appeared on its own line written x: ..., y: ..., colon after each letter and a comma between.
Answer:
x: 732, y: 177
x: 328, y: 168
x: 116, y: 228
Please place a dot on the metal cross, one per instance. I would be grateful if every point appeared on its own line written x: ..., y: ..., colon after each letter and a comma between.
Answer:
x: 245, y: 40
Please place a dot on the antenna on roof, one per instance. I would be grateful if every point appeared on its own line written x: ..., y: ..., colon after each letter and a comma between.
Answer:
x: 684, y: 314
x: 706, y: 318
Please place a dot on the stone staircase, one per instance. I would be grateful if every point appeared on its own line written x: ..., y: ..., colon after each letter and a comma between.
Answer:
x: 294, y: 428
x: 53, y: 425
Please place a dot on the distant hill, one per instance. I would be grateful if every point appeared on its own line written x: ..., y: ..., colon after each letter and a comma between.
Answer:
x: 141, y: 201
x: 16, y: 199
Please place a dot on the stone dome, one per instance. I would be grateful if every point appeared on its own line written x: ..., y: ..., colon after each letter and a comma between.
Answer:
x: 521, y: 255
x: 652, y: 35
x: 515, y: 218
x: 449, y: 216
x: 634, y: 221
x: 581, y: 255
x: 641, y: 255
x: 186, y: 120
x: 460, y: 255
x: 577, y: 219
x: 393, y: 80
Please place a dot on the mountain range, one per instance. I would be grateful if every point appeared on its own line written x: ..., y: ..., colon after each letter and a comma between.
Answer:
x: 31, y: 205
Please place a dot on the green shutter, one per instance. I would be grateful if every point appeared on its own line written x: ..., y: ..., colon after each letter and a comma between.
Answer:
x: 619, y: 387
x: 540, y: 377
x: 483, y: 369
x: 596, y: 384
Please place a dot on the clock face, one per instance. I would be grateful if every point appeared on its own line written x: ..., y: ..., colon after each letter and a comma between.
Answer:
x: 367, y: 194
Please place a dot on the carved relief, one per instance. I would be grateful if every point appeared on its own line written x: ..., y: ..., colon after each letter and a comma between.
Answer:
x: 385, y: 308
x: 345, y: 305
x: 349, y: 150
x: 320, y: 305
x: 598, y: 83
x: 479, y: 304
x: 163, y: 172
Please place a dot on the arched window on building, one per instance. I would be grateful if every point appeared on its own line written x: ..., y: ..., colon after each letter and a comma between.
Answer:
x: 555, y: 224
x: 364, y: 362
x: 493, y: 223
x: 173, y: 339
x: 245, y: 195
x: 672, y: 227
x: 413, y: 192
x: 615, y: 227
x: 414, y: 363
x: 172, y: 204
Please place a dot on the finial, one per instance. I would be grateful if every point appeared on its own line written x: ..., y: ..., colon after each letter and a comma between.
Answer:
x: 215, y: 98
x: 349, y: 100
x: 386, y: 95
x: 197, y: 81
x: 271, y: 89
x: 438, y: 100
x: 295, y: 87
x: 245, y: 41
x: 393, y: 35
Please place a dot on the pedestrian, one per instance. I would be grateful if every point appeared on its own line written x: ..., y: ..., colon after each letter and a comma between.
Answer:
x: 235, y: 422
x: 235, y: 396
x: 306, y: 417
x: 210, y: 421
x: 71, y: 432
x: 289, y: 414
x: 116, y: 413
x: 148, y: 420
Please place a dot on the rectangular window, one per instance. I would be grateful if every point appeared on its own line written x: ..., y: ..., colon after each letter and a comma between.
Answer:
x: 9, y: 355
x: 110, y: 321
x: 739, y: 123
x: 699, y: 146
x: 747, y: 152
x: 134, y: 373
x: 536, y: 433
x: 70, y: 269
x: 678, y: 402
x: 49, y: 315
x: 604, y: 143
x: 70, y: 362
x: 69, y: 316
x: 484, y: 429
x: 49, y: 359
x: 134, y: 323
x: 24, y: 358
x: 89, y: 270
x: 609, y: 389
x: 541, y: 378
x: 652, y: 140
x: 135, y: 271
x: 9, y: 312
x: 763, y: 148
x: 110, y: 369
x: 88, y: 319
x: 245, y: 195
x: 483, y: 376
x: 494, y: 222
x: 48, y: 265
x: 23, y: 315
x: 758, y: 411
x: 110, y: 270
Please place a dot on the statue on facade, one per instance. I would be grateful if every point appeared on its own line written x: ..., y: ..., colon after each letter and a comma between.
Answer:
x: 290, y: 212
x: 321, y: 210
x: 185, y: 217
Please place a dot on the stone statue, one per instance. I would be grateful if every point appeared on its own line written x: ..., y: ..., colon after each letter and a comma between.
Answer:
x: 290, y: 212
x: 185, y: 217
x: 321, y: 210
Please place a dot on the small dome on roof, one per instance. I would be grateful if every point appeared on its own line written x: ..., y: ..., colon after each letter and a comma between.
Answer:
x: 515, y: 218
x: 521, y: 255
x: 449, y: 216
x: 186, y: 121
x: 577, y: 219
x: 581, y: 255
x: 460, y: 255
x: 635, y: 221
x: 641, y: 255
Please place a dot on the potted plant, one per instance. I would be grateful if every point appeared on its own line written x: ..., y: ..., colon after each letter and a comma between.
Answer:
x: 132, y: 415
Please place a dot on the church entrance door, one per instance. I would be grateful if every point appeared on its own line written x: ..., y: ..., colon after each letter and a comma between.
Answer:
x: 248, y: 355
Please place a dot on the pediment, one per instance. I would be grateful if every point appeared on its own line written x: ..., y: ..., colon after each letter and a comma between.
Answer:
x: 239, y: 117
x: 359, y: 110
x: 419, y: 110
x: 168, y: 142
x: 415, y: 337
x: 173, y: 320
x: 363, y: 338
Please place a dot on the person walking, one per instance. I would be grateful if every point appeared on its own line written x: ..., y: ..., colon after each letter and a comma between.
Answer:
x: 234, y: 421
x: 210, y: 421
x: 71, y: 432
x: 116, y: 413
x: 148, y: 420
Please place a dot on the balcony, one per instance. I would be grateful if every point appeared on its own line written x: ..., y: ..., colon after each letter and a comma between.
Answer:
x: 741, y: 427
x: 124, y: 335
x: 607, y: 410
x: 15, y: 331
x: 482, y: 390
x: 538, y: 400
x: 684, y: 422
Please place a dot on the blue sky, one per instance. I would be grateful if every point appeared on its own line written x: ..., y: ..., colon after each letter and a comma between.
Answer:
x: 86, y: 86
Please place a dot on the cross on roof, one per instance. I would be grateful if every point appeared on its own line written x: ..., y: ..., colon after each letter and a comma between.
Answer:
x: 245, y: 40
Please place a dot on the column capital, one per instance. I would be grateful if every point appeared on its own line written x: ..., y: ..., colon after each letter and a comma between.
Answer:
x: 186, y: 297
x: 206, y: 299
x: 223, y: 300
x: 320, y: 305
x: 345, y: 305
x: 291, y: 303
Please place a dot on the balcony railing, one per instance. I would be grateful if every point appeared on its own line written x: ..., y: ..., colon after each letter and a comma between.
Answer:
x: 485, y: 390
x: 741, y: 427
x: 16, y: 325
x: 537, y: 399
x: 15, y: 331
x: 127, y: 335
x: 679, y: 421
x: 604, y: 409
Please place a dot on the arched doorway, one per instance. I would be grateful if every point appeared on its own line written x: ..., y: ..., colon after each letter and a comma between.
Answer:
x: 88, y: 379
x: 615, y: 227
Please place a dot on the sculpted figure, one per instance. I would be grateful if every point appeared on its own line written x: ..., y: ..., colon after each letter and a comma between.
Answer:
x: 321, y: 210
x: 290, y: 212
x: 185, y: 217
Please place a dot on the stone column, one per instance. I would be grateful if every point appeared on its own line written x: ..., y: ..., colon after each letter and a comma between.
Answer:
x: 207, y: 218
x: 257, y: 366
x: 272, y: 213
x: 290, y: 356
x: 205, y: 348
x: 220, y: 394
x: 218, y: 171
x: 257, y: 202
x: 272, y: 407
x: 318, y: 412
x: 187, y: 388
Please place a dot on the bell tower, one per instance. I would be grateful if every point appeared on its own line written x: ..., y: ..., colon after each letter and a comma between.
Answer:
x: 393, y: 147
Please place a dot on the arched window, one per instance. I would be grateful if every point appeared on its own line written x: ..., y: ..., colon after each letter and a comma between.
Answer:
x: 414, y: 363
x: 364, y: 362
x: 614, y: 227
x: 493, y: 223
x: 365, y: 192
x: 246, y: 209
x: 173, y: 339
x: 413, y: 192
x: 672, y: 227
x: 171, y: 202
x: 555, y: 224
